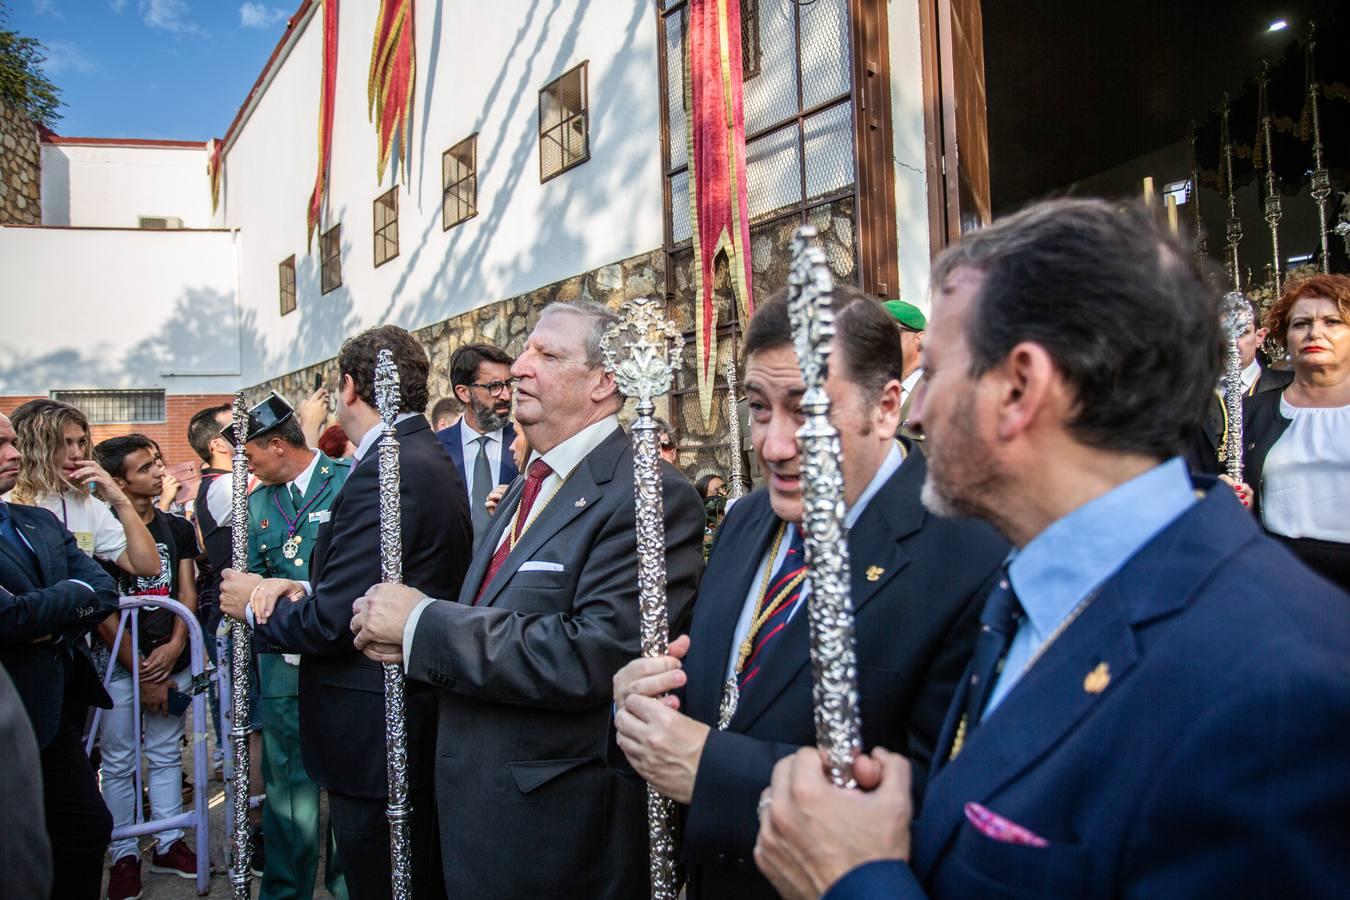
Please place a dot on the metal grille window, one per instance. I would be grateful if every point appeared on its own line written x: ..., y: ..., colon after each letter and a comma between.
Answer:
x: 459, y: 182
x: 117, y: 407
x: 330, y: 259
x: 564, y: 125
x: 386, y: 226
x: 800, y: 167
x: 287, y: 279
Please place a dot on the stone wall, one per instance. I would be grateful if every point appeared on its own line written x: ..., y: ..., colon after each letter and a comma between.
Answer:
x: 506, y: 323
x: 20, y: 161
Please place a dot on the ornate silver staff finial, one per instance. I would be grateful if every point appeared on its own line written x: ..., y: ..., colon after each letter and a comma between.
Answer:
x: 737, y: 490
x: 241, y: 849
x: 1321, y: 178
x: 1193, y: 195
x: 643, y: 350
x: 1237, y: 318
x: 399, y: 811
x: 1273, y: 211
x: 833, y: 655
x: 1234, y: 229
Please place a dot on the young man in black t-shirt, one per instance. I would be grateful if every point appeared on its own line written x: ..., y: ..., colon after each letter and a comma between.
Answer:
x: 135, y: 464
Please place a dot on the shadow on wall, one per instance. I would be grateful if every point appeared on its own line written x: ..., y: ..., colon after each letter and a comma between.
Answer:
x: 196, y: 340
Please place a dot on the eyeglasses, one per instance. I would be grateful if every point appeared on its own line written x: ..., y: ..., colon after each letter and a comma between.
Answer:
x: 497, y: 388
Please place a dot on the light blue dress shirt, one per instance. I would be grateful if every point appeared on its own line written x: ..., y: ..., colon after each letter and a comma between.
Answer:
x: 1066, y: 562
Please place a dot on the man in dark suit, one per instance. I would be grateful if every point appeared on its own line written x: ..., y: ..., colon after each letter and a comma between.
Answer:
x: 342, y: 739
x: 1205, y: 455
x: 548, y: 613
x: 917, y: 581
x: 480, y: 442
x: 51, y: 596
x: 1156, y: 706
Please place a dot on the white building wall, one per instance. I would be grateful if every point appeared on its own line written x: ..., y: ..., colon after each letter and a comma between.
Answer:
x: 479, y: 69
x: 908, y: 139
x: 110, y: 186
x: 118, y: 309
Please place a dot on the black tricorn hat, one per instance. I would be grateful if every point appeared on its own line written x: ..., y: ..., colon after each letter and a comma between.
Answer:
x: 262, y: 418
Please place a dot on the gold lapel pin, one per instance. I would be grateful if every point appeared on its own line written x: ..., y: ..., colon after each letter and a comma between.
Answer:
x: 874, y: 572
x: 580, y: 503
x: 1096, y: 681
x: 323, y: 470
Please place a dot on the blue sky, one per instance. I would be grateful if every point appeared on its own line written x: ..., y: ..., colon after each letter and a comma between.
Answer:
x: 170, y: 69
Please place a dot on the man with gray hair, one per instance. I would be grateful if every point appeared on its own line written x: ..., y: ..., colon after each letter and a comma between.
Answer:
x: 547, y: 614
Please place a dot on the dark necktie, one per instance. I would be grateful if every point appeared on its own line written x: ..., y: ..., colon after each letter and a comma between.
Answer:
x: 785, y: 590
x: 297, y: 496
x: 539, y: 470
x: 998, y: 624
x: 482, y: 486
x: 10, y: 533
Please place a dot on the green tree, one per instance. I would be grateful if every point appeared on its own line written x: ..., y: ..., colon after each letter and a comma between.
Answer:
x: 22, y: 82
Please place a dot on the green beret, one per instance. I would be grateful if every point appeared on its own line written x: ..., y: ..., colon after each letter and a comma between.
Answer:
x: 907, y: 314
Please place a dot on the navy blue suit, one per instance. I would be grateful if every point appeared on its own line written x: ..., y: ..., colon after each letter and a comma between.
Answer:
x: 44, y: 617
x: 1211, y: 764
x: 918, y: 582
x: 452, y: 439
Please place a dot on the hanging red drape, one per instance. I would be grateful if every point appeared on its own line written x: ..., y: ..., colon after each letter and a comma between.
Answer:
x: 326, y: 102
x: 718, y: 200
x: 393, y: 72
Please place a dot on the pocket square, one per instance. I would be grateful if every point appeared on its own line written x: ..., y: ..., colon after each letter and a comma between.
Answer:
x: 995, y: 827
x: 535, y: 565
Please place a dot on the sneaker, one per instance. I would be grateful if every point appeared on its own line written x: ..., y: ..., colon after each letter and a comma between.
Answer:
x: 178, y: 860
x: 124, y: 881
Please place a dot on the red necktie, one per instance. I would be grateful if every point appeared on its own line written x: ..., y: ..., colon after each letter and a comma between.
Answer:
x: 539, y: 470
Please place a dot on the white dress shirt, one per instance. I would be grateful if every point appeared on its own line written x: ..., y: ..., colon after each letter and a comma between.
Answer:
x: 301, y: 481
x: 563, y: 460
x: 889, y: 466
x: 907, y: 386
x: 468, y: 439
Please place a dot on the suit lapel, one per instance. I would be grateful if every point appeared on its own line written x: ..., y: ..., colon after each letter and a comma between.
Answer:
x: 715, y: 631
x: 1055, y: 694
x: 875, y: 558
x: 455, y: 445
x: 473, y: 579
x: 42, y: 551
x: 19, y: 558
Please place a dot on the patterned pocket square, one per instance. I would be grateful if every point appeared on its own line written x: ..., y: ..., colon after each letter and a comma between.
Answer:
x: 995, y: 827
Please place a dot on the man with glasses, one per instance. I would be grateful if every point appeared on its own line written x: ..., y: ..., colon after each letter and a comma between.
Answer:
x: 480, y: 442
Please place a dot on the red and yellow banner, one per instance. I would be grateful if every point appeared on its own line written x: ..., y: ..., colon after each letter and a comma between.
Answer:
x: 327, y: 97
x: 393, y: 71
x: 213, y: 164
x: 718, y: 201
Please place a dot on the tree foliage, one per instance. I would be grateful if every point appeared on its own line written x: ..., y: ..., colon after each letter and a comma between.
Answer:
x: 23, y: 85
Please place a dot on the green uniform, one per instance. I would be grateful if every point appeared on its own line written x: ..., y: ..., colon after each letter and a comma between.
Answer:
x: 281, y: 537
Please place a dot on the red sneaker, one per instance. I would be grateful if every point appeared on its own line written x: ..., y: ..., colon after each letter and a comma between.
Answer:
x: 179, y: 860
x: 124, y: 881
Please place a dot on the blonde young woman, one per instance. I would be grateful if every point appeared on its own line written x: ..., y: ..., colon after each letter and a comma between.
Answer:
x: 55, y: 473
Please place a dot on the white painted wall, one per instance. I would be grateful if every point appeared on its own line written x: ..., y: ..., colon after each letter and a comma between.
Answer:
x: 118, y: 309
x: 480, y: 68
x: 911, y: 183
x: 111, y: 187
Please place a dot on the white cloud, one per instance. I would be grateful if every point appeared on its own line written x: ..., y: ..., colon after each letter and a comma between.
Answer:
x: 167, y: 15
x: 65, y: 57
x: 117, y: 5
x: 259, y: 15
x: 47, y: 8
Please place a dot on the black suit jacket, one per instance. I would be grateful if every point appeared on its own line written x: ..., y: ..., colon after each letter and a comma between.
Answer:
x: 341, y: 691
x: 35, y: 604
x: 527, y: 804
x: 1203, y: 456
x: 916, y: 617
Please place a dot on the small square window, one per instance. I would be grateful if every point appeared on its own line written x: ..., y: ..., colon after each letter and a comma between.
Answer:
x: 386, y: 226
x: 459, y: 182
x: 330, y: 256
x: 287, y: 278
x: 564, y: 124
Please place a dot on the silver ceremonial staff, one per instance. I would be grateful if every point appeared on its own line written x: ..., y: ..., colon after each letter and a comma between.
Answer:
x: 1237, y: 316
x: 834, y: 667
x: 737, y: 489
x: 642, y: 351
x: 241, y: 870
x: 391, y: 572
